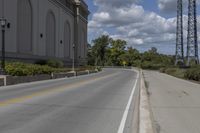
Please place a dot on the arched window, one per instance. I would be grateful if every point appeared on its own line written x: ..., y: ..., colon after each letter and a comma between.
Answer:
x: 50, y: 34
x: 83, y: 43
x: 24, y: 26
x: 67, y: 39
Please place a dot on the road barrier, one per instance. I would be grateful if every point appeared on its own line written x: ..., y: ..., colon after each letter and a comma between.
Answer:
x: 4, y: 80
x: 12, y: 80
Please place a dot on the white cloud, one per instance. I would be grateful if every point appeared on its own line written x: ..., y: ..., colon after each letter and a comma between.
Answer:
x: 170, y: 6
x: 167, y: 5
x: 114, y: 3
x: 133, y: 24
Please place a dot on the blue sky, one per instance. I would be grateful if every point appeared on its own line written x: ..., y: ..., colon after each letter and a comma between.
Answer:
x: 142, y: 23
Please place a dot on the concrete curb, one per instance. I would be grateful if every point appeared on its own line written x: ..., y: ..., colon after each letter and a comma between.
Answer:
x: 14, y: 80
x: 146, y: 122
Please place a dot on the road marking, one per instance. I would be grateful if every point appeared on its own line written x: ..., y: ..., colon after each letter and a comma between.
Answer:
x: 51, y: 90
x: 125, y: 115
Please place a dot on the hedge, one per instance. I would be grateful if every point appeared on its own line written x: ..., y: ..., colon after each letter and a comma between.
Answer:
x: 26, y: 69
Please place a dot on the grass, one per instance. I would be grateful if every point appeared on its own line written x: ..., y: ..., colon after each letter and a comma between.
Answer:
x: 192, y: 73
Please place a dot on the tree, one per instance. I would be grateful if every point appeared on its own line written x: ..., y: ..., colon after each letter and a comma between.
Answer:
x: 117, y: 49
x: 133, y: 56
x: 90, y: 56
x: 153, y: 50
x: 107, y: 51
x: 99, y: 49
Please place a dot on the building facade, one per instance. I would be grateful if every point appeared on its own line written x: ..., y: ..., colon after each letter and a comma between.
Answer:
x: 45, y: 29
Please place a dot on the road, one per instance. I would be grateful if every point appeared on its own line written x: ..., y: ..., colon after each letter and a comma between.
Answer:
x: 97, y: 103
x: 175, y: 103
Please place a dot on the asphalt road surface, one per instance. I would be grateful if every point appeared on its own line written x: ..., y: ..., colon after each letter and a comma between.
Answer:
x: 98, y: 103
x: 175, y: 103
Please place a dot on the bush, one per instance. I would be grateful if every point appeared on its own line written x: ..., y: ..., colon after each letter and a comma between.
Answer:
x: 41, y: 62
x: 193, y: 74
x: 163, y: 69
x: 171, y: 70
x: 51, y: 62
x: 55, y: 63
x: 24, y: 69
x: 99, y: 68
x: 151, y: 65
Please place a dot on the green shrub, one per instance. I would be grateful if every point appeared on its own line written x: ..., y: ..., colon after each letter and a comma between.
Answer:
x: 177, y: 72
x: 171, y: 70
x: 151, y: 65
x: 51, y: 62
x: 163, y: 69
x: 41, y: 62
x: 193, y: 74
x: 25, y: 69
x: 55, y: 63
x: 99, y: 68
x: 136, y: 63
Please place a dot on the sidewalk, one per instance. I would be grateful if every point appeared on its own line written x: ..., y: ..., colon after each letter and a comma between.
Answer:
x: 175, y: 103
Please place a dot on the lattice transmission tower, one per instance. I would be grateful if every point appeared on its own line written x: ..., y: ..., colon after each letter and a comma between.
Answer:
x: 192, y: 39
x: 179, y: 34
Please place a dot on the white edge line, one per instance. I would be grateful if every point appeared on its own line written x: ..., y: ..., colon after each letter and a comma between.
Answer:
x: 125, y: 115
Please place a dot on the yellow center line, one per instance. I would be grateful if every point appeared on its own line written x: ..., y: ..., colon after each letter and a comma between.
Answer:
x: 50, y: 91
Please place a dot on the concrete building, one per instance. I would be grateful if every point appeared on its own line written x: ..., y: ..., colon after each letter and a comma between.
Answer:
x: 45, y: 29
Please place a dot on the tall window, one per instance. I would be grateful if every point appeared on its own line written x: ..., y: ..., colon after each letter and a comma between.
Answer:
x: 83, y: 43
x: 24, y: 26
x: 67, y: 39
x: 50, y: 34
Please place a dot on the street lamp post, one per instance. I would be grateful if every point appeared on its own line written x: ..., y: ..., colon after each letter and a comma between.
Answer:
x: 3, y: 22
x: 73, y: 62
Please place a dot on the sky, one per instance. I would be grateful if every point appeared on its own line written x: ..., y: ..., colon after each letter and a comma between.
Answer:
x: 142, y: 23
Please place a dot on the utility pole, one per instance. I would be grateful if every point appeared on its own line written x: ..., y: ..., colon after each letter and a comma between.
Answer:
x: 3, y: 22
x: 73, y: 62
x: 192, y: 44
x: 179, y: 34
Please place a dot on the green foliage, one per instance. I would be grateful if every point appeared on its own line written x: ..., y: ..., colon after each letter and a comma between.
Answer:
x: 151, y: 65
x: 24, y: 69
x: 41, y: 62
x: 109, y: 52
x: 55, y: 63
x: 117, y: 52
x: 51, y: 63
x: 90, y: 57
x: 98, y: 68
x: 193, y: 73
x: 99, y: 50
